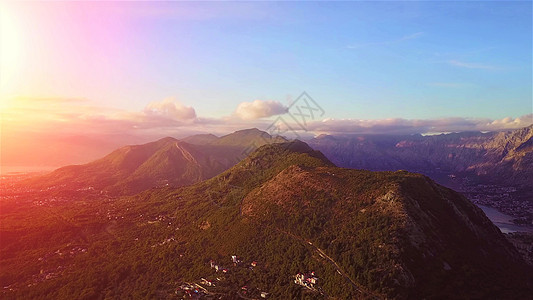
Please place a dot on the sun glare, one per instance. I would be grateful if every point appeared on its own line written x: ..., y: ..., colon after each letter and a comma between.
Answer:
x: 11, y: 49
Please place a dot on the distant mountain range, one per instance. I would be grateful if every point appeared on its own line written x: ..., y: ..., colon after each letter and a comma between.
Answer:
x: 503, y: 159
x: 510, y: 153
x: 467, y: 162
x: 286, y: 207
x: 168, y: 161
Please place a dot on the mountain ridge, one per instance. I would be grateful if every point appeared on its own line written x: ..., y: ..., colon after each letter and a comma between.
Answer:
x: 493, y: 168
x: 167, y: 161
x: 432, y: 232
x: 288, y: 210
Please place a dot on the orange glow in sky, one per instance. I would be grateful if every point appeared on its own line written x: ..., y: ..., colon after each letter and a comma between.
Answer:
x: 79, y: 79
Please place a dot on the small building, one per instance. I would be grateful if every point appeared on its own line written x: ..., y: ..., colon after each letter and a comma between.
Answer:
x: 306, y: 280
x: 214, y: 266
x: 235, y: 260
x: 207, y: 282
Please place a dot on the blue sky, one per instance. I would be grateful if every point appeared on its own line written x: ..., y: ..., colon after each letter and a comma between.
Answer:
x: 365, y: 60
x: 129, y: 72
x: 359, y: 60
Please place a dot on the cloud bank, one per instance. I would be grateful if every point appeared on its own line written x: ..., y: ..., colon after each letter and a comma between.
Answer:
x: 56, y: 132
x: 259, y: 109
x: 417, y: 126
x: 171, y: 109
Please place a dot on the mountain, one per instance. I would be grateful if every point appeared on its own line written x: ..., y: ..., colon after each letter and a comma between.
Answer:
x: 283, y: 210
x: 508, y: 157
x: 455, y: 152
x: 168, y: 161
x: 200, y: 139
x: 391, y: 234
x: 240, y: 138
x: 494, y: 168
x: 248, y: 138
x: 133, y: 168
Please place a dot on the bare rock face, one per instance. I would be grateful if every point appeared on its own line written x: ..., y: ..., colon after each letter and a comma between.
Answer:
x: 509, y: 157
x: 503, y: 157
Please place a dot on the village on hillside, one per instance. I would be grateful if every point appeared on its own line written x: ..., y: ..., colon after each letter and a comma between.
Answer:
x: 225, y: 277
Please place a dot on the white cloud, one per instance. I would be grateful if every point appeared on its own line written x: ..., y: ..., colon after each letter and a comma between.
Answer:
x: 76, y: 131
x: 413, y: 126
x: 510, y: 123
x: 259, y: 109
x: 171, y: 109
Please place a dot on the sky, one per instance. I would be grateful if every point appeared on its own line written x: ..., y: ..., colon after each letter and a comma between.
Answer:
x: 78, y: 79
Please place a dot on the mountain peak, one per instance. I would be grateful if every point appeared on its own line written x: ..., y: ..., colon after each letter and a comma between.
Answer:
x: 200, y: 139
x: 250, y: 130
x: 291, y: 147
x: 167, y: 161
x: 248, y: 137
x: 167, y: 139
x: 270, y: 159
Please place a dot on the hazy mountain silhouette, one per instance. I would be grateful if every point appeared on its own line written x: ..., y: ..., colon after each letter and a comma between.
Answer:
x: 168, y: 161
